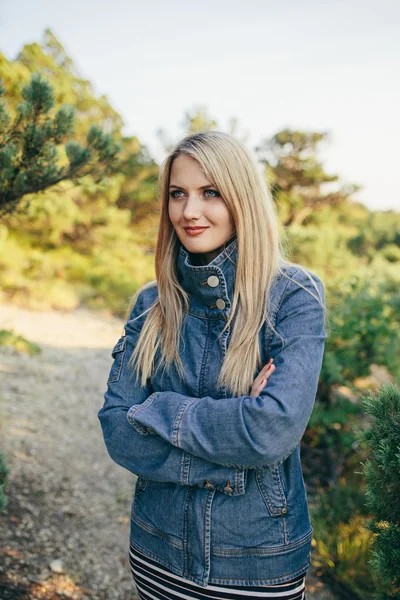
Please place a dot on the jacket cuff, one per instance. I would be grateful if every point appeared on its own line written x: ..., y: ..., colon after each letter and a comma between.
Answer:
x: 143, y: 429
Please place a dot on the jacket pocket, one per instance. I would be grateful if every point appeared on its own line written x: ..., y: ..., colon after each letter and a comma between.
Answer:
x: 269, y: 482
x: 118, y: 354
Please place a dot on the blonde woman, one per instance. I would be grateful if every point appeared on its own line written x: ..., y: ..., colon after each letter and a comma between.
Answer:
x: 212, y: 386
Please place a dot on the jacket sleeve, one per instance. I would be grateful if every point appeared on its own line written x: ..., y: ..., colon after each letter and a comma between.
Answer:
x: 150, y: 455
x: 258, y: 431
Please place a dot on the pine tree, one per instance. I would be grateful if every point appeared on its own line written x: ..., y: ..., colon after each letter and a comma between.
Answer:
x: 382, y: 473
x: 31, y: 144
x: 297, y: 178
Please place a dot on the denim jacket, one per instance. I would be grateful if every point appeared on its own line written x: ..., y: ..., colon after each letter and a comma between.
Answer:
x: 220, y: 496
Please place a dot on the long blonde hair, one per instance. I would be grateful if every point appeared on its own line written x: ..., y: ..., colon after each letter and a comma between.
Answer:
x: 261, y: 255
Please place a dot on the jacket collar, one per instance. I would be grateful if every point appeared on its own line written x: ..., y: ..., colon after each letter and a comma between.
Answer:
x: 210, y: 287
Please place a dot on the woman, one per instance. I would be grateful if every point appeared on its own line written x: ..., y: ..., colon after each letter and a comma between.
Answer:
x: 220, y: 508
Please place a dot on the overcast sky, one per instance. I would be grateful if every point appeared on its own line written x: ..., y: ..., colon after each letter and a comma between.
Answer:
x: 325, y: 66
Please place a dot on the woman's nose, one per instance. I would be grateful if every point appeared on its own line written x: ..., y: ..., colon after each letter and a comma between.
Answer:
x: 192, y: 207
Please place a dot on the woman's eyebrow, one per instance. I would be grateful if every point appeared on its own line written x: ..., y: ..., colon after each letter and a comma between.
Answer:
x: 203, y: 187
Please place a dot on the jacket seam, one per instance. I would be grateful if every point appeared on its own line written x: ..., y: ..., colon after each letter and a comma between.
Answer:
x: 272, y: 581
x: 157, y: 532
x: 178, y: 421
x: 186, y: 468
x: 216, y: 318
x: 137, y: 408
x: 263, y: 551
x: 118, y: 354
x: 204, y: 361
x: 282, y: 297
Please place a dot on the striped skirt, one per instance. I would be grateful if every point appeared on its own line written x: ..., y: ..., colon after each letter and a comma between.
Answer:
x: 156, y: 582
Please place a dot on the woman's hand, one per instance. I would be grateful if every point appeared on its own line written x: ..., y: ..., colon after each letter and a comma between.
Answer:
x: 262, y: 379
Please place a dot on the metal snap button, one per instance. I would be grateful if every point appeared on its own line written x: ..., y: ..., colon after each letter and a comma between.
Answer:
x: 220, y: 303
x: 283, y: 511
x: 228, y: 488
x: 207, y: 484
x: 213, y: 281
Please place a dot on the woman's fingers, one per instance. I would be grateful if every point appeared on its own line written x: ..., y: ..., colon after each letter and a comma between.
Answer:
x: 265, y: 372
x: 261, y: 380
x: 264, y: 379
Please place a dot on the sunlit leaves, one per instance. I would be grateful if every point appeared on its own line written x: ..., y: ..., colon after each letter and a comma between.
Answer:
x: 29, y: 158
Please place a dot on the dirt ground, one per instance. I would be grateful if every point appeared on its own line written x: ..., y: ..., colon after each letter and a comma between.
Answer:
x: 65, y: 533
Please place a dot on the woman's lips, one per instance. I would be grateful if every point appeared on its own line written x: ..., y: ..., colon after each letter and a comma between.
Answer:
x: 195, y: 230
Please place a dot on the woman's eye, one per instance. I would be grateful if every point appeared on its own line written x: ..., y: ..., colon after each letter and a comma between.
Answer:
x: 214, y: 192
x: 207, y: 193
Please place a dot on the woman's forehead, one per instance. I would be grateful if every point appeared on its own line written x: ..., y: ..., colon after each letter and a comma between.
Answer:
x: 184, y: 169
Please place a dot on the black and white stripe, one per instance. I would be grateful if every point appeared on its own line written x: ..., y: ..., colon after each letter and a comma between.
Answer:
x: 156, y: 582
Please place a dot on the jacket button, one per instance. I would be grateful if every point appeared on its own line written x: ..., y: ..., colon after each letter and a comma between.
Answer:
x: 283, y: 511
x: 228, y: 488
x: 207, y: 484
x: 213, y: 281
x: 220, y: 303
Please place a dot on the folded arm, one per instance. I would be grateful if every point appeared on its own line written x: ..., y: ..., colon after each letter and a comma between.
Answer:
x: 246, y: 431
x: 150, y: 455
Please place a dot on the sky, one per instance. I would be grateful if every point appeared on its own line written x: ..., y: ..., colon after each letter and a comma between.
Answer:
x: 315, y: 66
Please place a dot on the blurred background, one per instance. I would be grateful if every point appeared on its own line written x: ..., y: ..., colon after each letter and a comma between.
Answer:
x: 312, y: 90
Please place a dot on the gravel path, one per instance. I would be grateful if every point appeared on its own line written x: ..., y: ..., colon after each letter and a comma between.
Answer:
x: 66, y: 530
x: 68, y: 500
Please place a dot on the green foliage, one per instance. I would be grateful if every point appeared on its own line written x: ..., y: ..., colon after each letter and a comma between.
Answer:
x: 377, y: 231
x: 138, y: 187
x: 382, y: 475
x: 330, y: 450
x: 364, y: 330
x: 12, y: 340
x: 365, y: 326
x: 341, y: 541
x: 333, y: 256
x: 29, y: 159
x: 4, y: 471
x: 341, y: 502
x: 341, y: 556
x: 50, y: 252
x: 103, y: 275
x: 298, y: 180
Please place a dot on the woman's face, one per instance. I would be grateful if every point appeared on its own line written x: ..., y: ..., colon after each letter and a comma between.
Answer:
x: 195, y: 202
